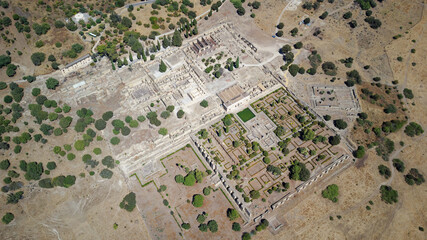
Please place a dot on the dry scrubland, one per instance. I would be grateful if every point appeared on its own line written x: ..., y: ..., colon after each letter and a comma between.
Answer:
x: 310, y: 218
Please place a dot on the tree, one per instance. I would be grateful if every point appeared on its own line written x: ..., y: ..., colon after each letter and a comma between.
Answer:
x: 189, y: 180
x: 206, y: 191
x: 179, y: 178
x: 100, y: 124
x: 107, y: 115
x: 331, y: 193
x: 165, y: 114
x: 298, y: 45
x: 246, y: 236
x: 256, y: 4
x: 34, y: 171
x: 399, y: 165
x: 347, y: 15
x: 51, y: 165
x: 59, y: 24
x: 408, y: 93
x: 237, y: 63
x: 280, y: 131
x: 176, y: 39
x: 340, y: 124
x: 293, y: 69
x: 306, y: 21
x: 201, y: 218
x: 115, y: 140
x: 185, y: 226
x: 162, y: 67
x: 360, y: 152
x: 204, y: 103
x: 335, y: 140
x: 232, y: 214
x: 413, y: 129
x: 180, y: 113
x: 41, y: 29
x: 52, y: 83
x: 329, y: 68
x: 280, y: 25
x: 414, y: 176
x: 213, y: 226
x: 7, y: 218
x: 11, y: 70
x: 106, y: 173
x: 5, y: 60
x: 129, y: 202
x: 38, y: 58
x: 324, y: 15
x: 254, y: 194
x: 203, y: 227
x: 236, y: 226
x: 197, y: 200
x: 307, y: 134
x: 279, y: 33
x: 384, y: 171
x: 241, y: 11
x: 163, y: 131
x: 4, y: 165
x: 388, y: 195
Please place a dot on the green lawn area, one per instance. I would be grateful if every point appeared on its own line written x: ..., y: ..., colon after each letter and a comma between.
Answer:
x: 246, y: 114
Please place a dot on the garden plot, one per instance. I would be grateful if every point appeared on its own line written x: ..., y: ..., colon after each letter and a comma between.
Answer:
x: 165, y: 201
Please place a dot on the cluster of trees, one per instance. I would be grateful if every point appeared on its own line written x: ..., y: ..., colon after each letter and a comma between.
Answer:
x: 399, y: 165
x: 298, y: 171
x: 60, y: 181
x: 414, y: 176
x: 262, y: 225
x: 353, y: 77
x: 388, y: 194
x: 274, y: 170
x: 191, y: 178
x: 41, y: 29
x: 384, y: 171
x: 359, y: 152
x: 129, y: 202
x: 238, y: 5
x: 329, y: 68
x: 74, y: 51
x: 413, y: 129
